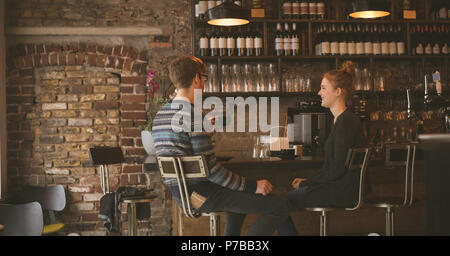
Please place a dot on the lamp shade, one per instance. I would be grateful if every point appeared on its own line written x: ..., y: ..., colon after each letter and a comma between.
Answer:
x: 228, y: 14
x: 369, y: 9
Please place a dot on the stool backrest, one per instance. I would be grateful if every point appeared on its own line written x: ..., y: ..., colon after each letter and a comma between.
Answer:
x: 182, y: 168
x: 403, y: 155
x: 104, y: 156
x: 358, y: 160
x: 21, y: 219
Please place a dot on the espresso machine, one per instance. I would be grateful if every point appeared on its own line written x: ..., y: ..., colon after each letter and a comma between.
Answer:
x: 308, y: 125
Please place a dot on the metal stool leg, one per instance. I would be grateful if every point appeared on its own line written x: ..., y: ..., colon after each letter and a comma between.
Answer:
x: 132, y: 225
x: 389, y: 221
x: 214, y: 224
x: 323, y: 223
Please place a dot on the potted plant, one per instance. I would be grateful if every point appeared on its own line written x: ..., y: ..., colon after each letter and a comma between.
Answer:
x: 154, y: 103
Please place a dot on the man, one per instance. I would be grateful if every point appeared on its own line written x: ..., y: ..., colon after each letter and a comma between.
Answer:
x: 222, y: 190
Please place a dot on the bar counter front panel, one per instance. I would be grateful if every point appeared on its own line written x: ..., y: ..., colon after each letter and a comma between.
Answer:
x: 386, y: 182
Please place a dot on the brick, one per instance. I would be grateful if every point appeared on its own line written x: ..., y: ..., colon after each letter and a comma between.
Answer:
x: 64, y: 180
x: 127, y: 142
x: 133, y: 106
x: 81, y: 207
x: 89, y: 180
x: 82, y: 155
x: 43, y: 130
x: 92, y: 114
x: 105, y: 137
x: 136, y: 152
x: 54, y: 106
x: 133, y: 98
x: 51, y: 139
x: 127, y: 65
x: 93, y: 97
x: 19, y: 99
x: 66, y: 163
x: 106, y: 89
x: 52, y: 82
x: 53, y: 75
x: 96, y: 129
x: 67, y: 98
x: 93, y: 198
x: 80, y: 122
x: 77, y: 138
x: 64, y: 114
x: 131, y: 132
x: 134, y: 115
x: 106, y: 105
x: 132, y: 169
x: 84, y: 105
x: 53, y: 122
x: 77, y: 74
x: 41, y: 148
x: 57, y: 171
x: 103, y: 121
x: 71, y: 130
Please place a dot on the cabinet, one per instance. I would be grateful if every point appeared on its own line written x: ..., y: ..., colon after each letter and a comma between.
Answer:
x: 308, y: 34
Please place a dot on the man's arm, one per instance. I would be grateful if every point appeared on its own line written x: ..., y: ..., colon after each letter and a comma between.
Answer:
x: 202, y: 145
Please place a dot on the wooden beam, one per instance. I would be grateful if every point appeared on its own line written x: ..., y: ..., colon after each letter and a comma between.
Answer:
x: 83, y: 31
x: 2, y: 103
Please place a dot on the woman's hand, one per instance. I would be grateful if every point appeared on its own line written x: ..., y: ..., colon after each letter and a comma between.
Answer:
x: 264, y: 187
x: 296, y: 182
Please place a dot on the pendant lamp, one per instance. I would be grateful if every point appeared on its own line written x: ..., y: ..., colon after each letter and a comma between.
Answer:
x: 228, y: 14
x: 369, y: 9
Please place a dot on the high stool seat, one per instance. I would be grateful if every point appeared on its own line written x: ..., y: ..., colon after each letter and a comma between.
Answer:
x: 131, y: 211
x: 357, y: 160
x: 397, y: 155
x: 183, y: 168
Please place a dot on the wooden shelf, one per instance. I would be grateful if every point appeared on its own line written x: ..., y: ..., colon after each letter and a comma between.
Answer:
x: 261, y: 94
x: 363, y: 57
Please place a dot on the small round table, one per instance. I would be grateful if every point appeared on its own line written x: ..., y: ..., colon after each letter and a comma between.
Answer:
x: 131, y: 208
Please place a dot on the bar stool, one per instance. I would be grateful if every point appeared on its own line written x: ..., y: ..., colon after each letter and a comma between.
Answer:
x: 357, y: 160
x: 397, y: 155
x: 188, y: 167
x: 104, y: 156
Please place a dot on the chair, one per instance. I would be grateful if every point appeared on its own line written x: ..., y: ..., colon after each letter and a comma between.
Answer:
x: 52, y: 199
x: 104, y: 156
x: 188, y: 167
x: 21, y: 219
x: 397, y: 155
x: 357, y: 160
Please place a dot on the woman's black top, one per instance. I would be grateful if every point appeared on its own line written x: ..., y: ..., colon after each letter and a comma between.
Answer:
x: 334, y: 185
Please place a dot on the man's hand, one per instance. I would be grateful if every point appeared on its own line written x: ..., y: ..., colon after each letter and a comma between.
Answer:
x: 296, y: 182
x: 264, y: 187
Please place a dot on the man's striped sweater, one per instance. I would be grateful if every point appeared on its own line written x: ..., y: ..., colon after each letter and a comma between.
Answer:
x: 171, y: 140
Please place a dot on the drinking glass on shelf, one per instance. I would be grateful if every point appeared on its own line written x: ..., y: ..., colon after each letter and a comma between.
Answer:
x: 248, y: 84
x: 235, y: 78
x: 225, y: 78
x: 212, y: 83
x: 308, y: 84
x: 358, y: 79
x: 366, y: 84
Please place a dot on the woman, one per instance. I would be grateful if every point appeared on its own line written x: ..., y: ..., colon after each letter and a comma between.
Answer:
x: 333, y: 185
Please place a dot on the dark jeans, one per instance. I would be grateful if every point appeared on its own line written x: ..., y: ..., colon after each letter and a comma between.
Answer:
x: 286, y: 228
x: 273, y: 210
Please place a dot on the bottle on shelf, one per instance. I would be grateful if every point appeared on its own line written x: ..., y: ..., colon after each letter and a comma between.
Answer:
x: 401, y: 47
x: 258, y: 43
x: 325, y: 46
x: 214, y: 44
x: 334, y: 44
x: 351, y: 45
x: 231, y: 43
x: 249, y: 42
x: 359, y: 41
x: 279, y: 41
x: 203, y: 7
x: 343, y: 46
x: 240, y: 43
x: 304, y: 9
x: 287, y: 9
x: 392, y: 41
x: 384, y: 41
x: 376, y: 42
x: 296, y: 9
x: 204, y: 44
x: 223, y: 43
x: 295, y: 41
x: 321, y: 10
x: 318, y: 41
x: 368, y: 46
x: 312, y: 9
x: 287, y: 40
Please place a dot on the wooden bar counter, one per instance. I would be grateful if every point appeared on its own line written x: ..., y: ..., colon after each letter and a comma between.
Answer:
x: 386, y: 182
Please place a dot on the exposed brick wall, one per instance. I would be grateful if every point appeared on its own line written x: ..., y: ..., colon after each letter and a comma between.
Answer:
x: 64, y: 99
